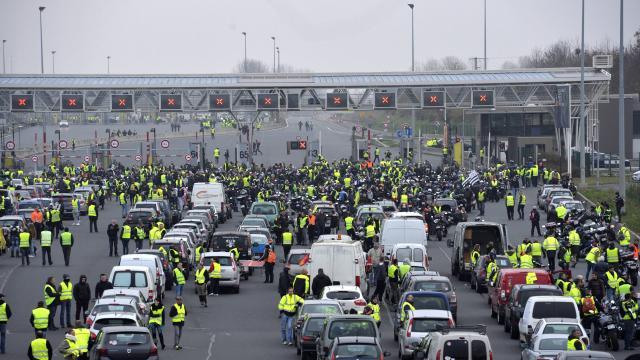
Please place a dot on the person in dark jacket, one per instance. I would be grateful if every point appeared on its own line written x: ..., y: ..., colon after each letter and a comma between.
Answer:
x: 284, y: 281
x: 102, y: 285
x: 379, y: 278
x: 112, y: 233
x: 82, y: 295
x: 597, y: 287
x: 534, y: 217
x: 319, y: 282
x: 3, y: 323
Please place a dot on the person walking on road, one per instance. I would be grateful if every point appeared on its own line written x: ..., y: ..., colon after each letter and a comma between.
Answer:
x: 92, y: 211
x: 178, y: 279
x: 51, y: 300
x: 39, y: 348
x: 41, y: 319
x: 288, y: 307
x: 45, y: 245
x: 509, y: 202
x: 534, y: 217
x: 82, y: 296
x: 287, y: 242
x: 301, y: 284
x: 75, y: 209
x: 156, y: 322
x: 269, y: 258
x: 178, y: 314
x: 320, y: 281
x: 125, y: 236
x: 284, y: 281
x: 202, y: 279
x: 112, y: 233
x: 522, y: 201
x: 102, y: 285
x: 630, y: 314
x: 5, y: 315
x: 25, y: 246
x: 66, y: 241
x: 550, y: 246
x: 379, y: 278
x: 66, y: 294
x: 215, y: 273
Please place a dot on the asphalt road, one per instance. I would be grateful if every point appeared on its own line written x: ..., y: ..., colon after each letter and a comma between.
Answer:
x: 242, y: 326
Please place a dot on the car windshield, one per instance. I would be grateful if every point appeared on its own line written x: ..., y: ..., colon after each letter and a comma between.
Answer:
x: 559, y: 328
x: 503, y: 263
x: 222, y: 260
x: 553, y: 344
x: 388, y: 208
x: 525, y: 295
x: 99, y: 324
x: 356, y: 351
x: 428, y: 324
x: 321, y: 309
x: 129, y: 279
x: 416, y: 254
x: 352, y: 328
x: 314, y: 325
x: 264, y: 209
x: 429, y: 303
x: 127, y: 339
x: 440, y: 286
x: 10, y: 223
x: 112, y: 308
x: 554, y: 309
x: 296, y: 258
x: 253, y: 222
x: 342, y: 295
x: 259, y: 239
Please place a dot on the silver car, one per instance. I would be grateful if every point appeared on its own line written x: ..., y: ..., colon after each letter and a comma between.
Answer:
x: 417, y: 325
x: 230, y: 271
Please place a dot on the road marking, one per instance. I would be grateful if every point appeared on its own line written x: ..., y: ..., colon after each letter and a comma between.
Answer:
x: 445, y: 254
x: 381, y: 143
x: 384, y: 305
x: 212, y: 340
x: 7, y: 276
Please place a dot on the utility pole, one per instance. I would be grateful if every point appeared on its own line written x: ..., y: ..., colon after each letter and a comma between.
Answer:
x: 413, y: 69
x: 41, y: 8
x: 4, y: 66
x: 278, y: 51
x: 53, y: 61
x: 108, y: 64
x: 274, y: 53
x: 244, y: 33
x: 583, y: 121
x: 622, y: 186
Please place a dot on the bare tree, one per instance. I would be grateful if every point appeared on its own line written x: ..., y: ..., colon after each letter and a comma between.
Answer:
x: 453, y: 63
x: 253, y: 66
x: 507, y: 65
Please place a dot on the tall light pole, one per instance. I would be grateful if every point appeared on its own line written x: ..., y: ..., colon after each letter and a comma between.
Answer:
x: 41, y: 8
x: 244, y: 33
x: 108, y: 64
x: 4, y: 67
x: 53, y: 61
x: 622, y: 186
x: 278, y: 51
x: 485, y: 34
x: 274, y: 53
x: 413, y: 58
x: 583, y: 122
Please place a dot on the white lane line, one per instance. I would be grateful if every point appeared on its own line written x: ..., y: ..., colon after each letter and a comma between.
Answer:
x: 381, y: 143
x: 445, y: 254
x: 384, y: 305
x: 212, y: 340
x: 7, y: 276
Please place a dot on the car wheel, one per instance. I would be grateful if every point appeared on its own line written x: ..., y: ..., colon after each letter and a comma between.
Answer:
x: 515, y: 332
x: 236, y: 290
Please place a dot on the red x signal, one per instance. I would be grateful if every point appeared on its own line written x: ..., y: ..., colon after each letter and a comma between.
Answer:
x: 72, y: 102
x: 302, y: 145
x: 385, y: 100
x: 171, y: 101
x: 122, y: 102
x: 337, y: 100
x: 22, y: 102
x: 267, y: 101
x: 483, y: 98
x: 219, y: 101
x: 433, y: 99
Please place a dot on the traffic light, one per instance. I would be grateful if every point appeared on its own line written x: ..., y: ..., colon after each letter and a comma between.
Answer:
x: 298, y: 145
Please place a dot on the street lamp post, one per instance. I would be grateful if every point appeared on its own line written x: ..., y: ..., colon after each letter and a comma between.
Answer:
x: 108, y: 64
x: 278, y: 51
x: 485, y: 34
x: 413, y: 65
x: 583, y: 120
x: 41, y: 8
x: 244, y: 33
x: 4, y: 67
x: 274, y: 53
x: 413, y: 68
x: 53, y: 61
x: 622, y: 187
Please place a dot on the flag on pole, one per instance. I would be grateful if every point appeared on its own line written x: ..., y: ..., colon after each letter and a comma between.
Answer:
x: 473, y: 178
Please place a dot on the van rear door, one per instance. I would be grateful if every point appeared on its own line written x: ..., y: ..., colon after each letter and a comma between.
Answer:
x: 344, y: 265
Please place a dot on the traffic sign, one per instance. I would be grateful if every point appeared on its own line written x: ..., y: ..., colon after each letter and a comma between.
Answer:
x: 164, y: 144
x: 63, y: 144
x: 87, y: 158
x: 34, y: 158
x: 10, y: 145
x: 187, y: 157
x: 138, y: 157
x: 21, y: 102
x: 114, y: 143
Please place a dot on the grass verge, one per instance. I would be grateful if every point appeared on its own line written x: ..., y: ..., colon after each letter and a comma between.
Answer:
x: 632, y: 203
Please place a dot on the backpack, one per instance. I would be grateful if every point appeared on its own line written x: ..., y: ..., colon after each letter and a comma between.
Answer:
x: 532, y: 215
x: 588, y: 306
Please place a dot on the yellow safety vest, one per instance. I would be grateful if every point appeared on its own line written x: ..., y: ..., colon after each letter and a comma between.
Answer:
x: 92, y: 210
x: 179, y: 276
x: 181, y: 312
x: 391, y: 271
x: 66, y: 291
x: 65, y: 238
x: 55, y: 215
x: 126, y: 232
x: 626, y: 240
x: 40, y: 318
x: 561, y: 212
x: 24, y: 239
x: 571, y: 345
x: 612, y: 280
x: 513, y: 258
x: 3, y: 313
x: 574, y: 238
x: 509, y: 200
x: 289, y: 303
x: 82, y: 340
x: 376, y: 311
x: 612, y: 255
x: 536, y: 249
x: 370, y: 231
x: 39, y: 349
x: 200, y: 279
x: 531, y: 278
x: 403, y: 311
x: 156, y: 316
x: 550, y: 243
x: 404, y: 199
x: 348, y: 223
x: 49, y: 299
x: 217, y: 271
x: 593, y: 255
x: 74, y: 203
x: 523, y: 200
x: 287, y: 238
x: 526, y: 262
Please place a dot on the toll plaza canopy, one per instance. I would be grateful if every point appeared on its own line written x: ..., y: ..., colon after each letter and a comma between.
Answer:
x: 303, y: 91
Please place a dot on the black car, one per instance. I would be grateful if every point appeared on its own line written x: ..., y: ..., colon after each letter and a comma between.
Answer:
x: 144, y: 216
x: 307, y: 334
x: 225, y: 240
x: 479, y: 273
x: 517, y: 301
x: 124, y: 342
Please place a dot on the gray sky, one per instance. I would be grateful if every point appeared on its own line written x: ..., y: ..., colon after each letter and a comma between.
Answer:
x: 204, y: 36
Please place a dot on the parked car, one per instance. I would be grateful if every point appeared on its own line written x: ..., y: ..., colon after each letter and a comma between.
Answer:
x: 356, y: 347
x: 115, y: 304
x: 520, y: 294
x: 296, y: 256
x: 230, y: 271
x: 479, y: 273
x: 124, y: 342
x: 544, y: 347
x: 501, y: 290
x: 327, y: 307
x: 108, y: 319
x: 581, y: 355
x: 344, y: 325
x: 437, y: 283
x: 541, y: 307
x: 349, y: 297
x: 460, y: 342
x: 468, y: 234
x: 307, y: 333
x: 419, y: 323
x: 422, y: 300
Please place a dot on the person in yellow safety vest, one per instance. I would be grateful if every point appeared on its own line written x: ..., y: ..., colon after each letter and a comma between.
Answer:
x: 404, y: 199
x: 575, y: 291
x: 375, y: 310
x: 178, y: 314
x: 40, y: 348
x: 437, y: 209
x: 491, y: 270
x: 591, y: 258
x: 123, y: 204
x: 370, y: 233
x: 40, y: 318
x: 156, y: 321
x: 83, y: 336
x: 574, y: 342
x: 613, y: 281
x: 404, y: 269
x: 612, y: 255
x: 348, y: 226
x: 25, y: 246
x: 56, y: 221
x: 575, y: 243
x: 199, y: 250
x: 75, y: 207
x: 216, y: 154
x: 526, y: 260
x: 550, y: 246
x: 561, y: 212
x: 629, y: 314
x: 66, y: 295
x: 178, y: 278
x: 125, y: 236
x: 288, y: 307
x: 140, y: 235
x: 512, y: 255
x: 531, y: 278
x: 287, y: 242
x: 394, y: 278
x: 407, y: 305
x: 92, y: 211
x: 624, y: 236
x: 201, y: 281
x: 301, y: 284
x: 236, y: 253
x: 68, y: 347
x: 213, y: 132
x: 66, y: 242
x: 536, y: 251
x: 522, y: 201
x: 522, y: 248
x: 215, y: 271
x: 475, y: 255
x: 509, y: 202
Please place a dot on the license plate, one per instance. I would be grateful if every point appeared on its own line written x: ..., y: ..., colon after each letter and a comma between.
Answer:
x: 611, y: 326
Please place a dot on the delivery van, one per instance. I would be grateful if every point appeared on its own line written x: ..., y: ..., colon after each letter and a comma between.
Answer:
x: 341, y: 258
x: 204, y: 194
x: 401, y: 231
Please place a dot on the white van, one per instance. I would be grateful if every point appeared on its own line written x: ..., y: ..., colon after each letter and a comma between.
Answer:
x: 204, y: 194
x: 152, y: 262
x: 134, y: 277
x: 341, y: 258
x: 541, y: 307
x: 401, y: 230
x: 416, y: 253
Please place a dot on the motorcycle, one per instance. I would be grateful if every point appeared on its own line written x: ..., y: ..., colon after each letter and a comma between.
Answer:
x: 609, y: 325
x: 440, y: 227
x: 630, y: 267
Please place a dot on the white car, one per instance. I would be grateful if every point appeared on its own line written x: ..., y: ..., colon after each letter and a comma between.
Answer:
x: 541, y: 307
x: 63, y: 124
x: 135, y: 294
x: 350, y: 297
x: 230, y: 271
x: 117, y: 304
x: 418, y: 324
x: 114, y: 319
x: 296, y: 256
x: 544, y: 347
x: 636, y: 176
x: 557, y: 326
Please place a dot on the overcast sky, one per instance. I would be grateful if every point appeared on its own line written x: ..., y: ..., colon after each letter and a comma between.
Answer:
x: 204, y: 36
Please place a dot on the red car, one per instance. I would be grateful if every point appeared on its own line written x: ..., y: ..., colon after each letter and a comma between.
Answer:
x: 500, y: 291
